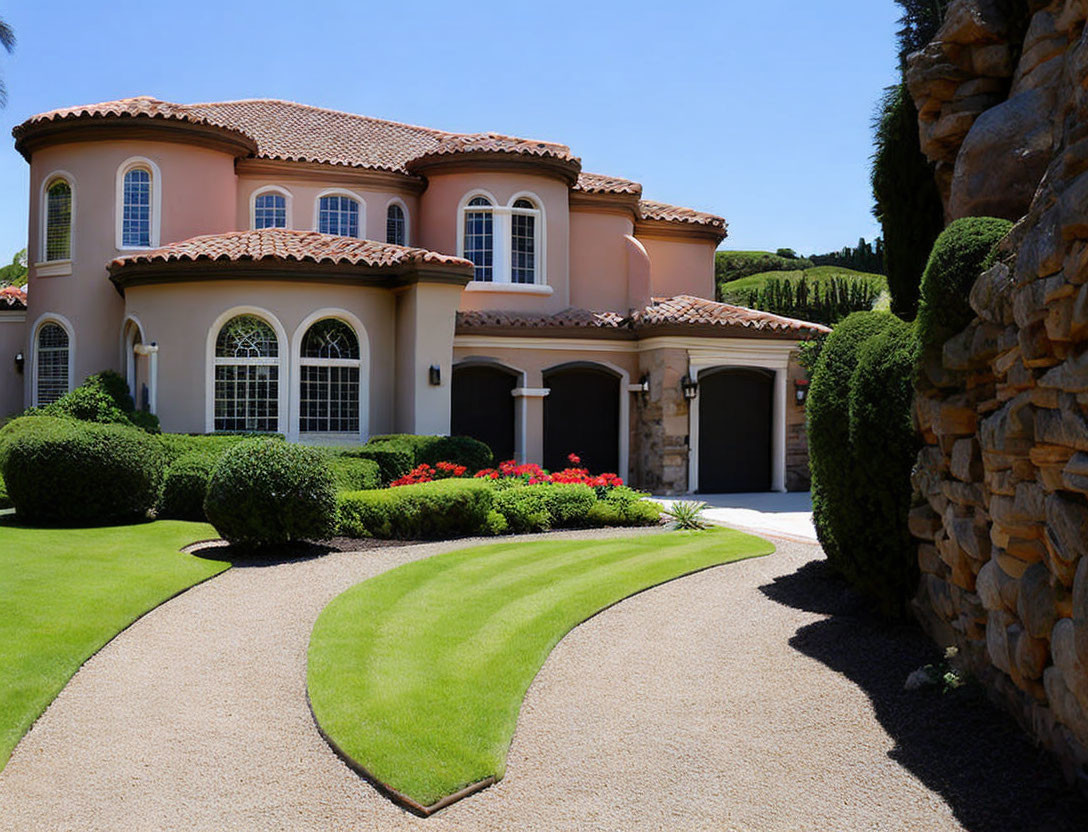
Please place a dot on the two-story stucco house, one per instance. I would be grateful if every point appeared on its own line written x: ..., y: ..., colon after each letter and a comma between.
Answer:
x: 268, y: 266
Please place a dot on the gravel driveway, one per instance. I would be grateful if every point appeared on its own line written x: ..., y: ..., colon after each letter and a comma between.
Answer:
x: 752, y: 696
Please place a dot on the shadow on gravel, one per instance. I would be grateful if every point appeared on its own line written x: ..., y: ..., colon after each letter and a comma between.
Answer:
x: 958, y: 744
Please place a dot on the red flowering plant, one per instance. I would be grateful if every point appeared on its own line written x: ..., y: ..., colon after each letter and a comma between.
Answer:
x: 426, y: 473
x: 532, y: 474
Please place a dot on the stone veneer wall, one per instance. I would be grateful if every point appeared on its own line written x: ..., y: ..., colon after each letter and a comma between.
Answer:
x: 1003, y: 477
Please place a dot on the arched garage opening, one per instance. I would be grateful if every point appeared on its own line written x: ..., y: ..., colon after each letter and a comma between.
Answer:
x: 482, y: 406
x: 582, y: 416
x: 735, y: 412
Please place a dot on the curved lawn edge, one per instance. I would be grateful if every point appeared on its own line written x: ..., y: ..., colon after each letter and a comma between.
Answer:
x: 29, y: 717
x: 321, y: 686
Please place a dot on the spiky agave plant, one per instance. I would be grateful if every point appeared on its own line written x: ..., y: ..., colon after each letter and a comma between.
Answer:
x: 686, y: 514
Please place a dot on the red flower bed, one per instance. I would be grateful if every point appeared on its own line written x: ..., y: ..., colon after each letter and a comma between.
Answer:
x: 533, y: 474
x: 425, y: 473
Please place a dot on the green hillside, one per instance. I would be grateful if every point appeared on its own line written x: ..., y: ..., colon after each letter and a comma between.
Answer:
x: 734, y: 265
x: 816, y: 275
x: 822, y: 294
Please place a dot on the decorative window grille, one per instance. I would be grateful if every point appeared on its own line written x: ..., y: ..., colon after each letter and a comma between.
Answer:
x: 479, y: 237
x: 58, y: 221
x: 395, y: 227
x: 52, y: 363
x: 523, y: 242
x: 136, y: 209
x: 329, y: 379
x: 247, y: 376
x: 338, y: 215
x: 270, y: 211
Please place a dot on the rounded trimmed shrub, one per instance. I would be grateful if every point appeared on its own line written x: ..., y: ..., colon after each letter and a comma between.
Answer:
x: 354, y: 474
x: 184, y: 486
x: 955, y: 263
x: 264, y: 492
x: 60, y: 471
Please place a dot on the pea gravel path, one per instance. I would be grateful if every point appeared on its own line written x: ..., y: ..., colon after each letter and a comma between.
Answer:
x: 719, y: 701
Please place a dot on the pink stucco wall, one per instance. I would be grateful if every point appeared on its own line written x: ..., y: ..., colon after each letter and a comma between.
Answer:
x: 680, y: 267
x: 599, y: 260
x: 12, y: 342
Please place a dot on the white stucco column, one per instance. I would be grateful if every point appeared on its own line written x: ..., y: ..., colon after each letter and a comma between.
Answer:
x: 778, y: 451
x: 152, y: 352
x: 529, y: 438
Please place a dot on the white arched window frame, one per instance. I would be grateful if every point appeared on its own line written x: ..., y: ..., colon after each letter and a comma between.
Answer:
x: 48, y: 263
x: 267, y: 191
x: 154, y: 202
x: 52, y: 368
x: 526, y: 233
x: 278, y: 362
x: 484, y: 237
x: 360, y: 230
x: 397, y: 202
x: 362, y: 363
x: 505, y: 218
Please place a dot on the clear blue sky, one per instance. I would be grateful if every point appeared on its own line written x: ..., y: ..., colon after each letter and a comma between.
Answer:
x: 756, y: 110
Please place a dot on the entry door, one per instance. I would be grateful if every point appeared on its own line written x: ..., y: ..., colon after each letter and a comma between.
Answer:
x: 582, y: 416
x: 735, y: 430
x: 481, y: 406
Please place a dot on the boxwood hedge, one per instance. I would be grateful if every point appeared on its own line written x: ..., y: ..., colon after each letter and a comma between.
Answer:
x: 440, y: 509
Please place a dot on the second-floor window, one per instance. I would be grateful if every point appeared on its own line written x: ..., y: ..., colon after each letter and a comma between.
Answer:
x: 396, y: 229
x: 479, y: 241
x: 270, y: 211
x: 338, y: 215
x: 58, y: 221
x: 505, y: 243
x: 136, y: 216
x: 523, y: 220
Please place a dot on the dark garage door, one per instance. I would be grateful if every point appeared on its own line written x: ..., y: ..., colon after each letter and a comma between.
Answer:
x: 481, y: 407
x: 582, y: 416
x: 735, y: 430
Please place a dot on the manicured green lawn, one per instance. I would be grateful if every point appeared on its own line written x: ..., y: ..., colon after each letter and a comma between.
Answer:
x: 64, y: 593
x: 418, y: 674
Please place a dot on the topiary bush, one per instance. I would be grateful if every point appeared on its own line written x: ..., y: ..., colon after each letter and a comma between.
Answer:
x: 176, y: 445
x: 355, y: 474
x: 429, y: 450
x: 394, y: 459
x: 265, y: 492
x: 184, y: 486
x: 60, y: 471
x: 524, y: 509
x: 432, y: 510
x: 827, y: 413
x: 954, y: 265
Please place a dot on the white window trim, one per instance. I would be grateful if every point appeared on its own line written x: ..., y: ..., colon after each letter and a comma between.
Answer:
x: 293, y: 432
x: 66, y: 325
x: 280, y: 361
x: 156, y: 202
x: 407, y: 218
x: 271, y: 189
x: 502, y: 254
x: 341, y: 192
x: 51, y: 268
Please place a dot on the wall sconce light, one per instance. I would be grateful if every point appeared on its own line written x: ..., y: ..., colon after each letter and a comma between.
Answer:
x: 20, y: 361
x: 800, y: 390
x: 434, y: 374
x: 644, y: 386
x: 690, y: 387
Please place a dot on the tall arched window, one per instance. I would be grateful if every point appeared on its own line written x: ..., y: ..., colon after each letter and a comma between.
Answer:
x: 329, y: 379
x: 270, y: 210
x: 52, y: 357
x: 338, y: 215
x: 523, y: 243
x: 58, y: 221
x: 396, y: 229
x: 479, y: 237
x: 136, y: 208
x: 247, y: 376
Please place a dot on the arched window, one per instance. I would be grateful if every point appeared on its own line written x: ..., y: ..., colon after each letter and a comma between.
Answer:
x: 329, y: 379
x: 270, y: 210
x: 247, y: 367
x: 136, y: 208
x: 523, y: 242
x: 396, y: 229
x: 58, y: 221
x: 338, y: 215
x: 479, y: 237
x: 52, y: 357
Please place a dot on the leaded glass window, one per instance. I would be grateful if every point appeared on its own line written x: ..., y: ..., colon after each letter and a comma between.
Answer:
x: 395, y: 226
x: 479, y: 237
x: 523, y: 242
x: 329, y: 379
x: 270, y: 211
x: 136, y: 209
x: 58, y: 221
x: 338, y: 215
x: 247, y: 376
x: 52, y: 357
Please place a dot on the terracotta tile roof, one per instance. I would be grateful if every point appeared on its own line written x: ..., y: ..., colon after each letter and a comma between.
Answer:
x: 288, y: 246
x: 12, y: 298
x: 598, y: 183
x: 687, y: 309
x: 680, y: 311
x: 650, y: 210
x: 453, y: 143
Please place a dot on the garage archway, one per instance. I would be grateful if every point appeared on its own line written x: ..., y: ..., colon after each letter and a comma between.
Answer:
x: 482, y: 406
x: 735, y: 412
x: 582, y: 416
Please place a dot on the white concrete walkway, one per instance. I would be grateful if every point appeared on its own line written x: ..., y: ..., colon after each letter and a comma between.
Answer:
x: 784, y: 515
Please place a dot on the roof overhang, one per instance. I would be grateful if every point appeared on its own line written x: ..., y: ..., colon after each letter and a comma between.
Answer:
x: 679, y: 230
x: 484, y: 160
